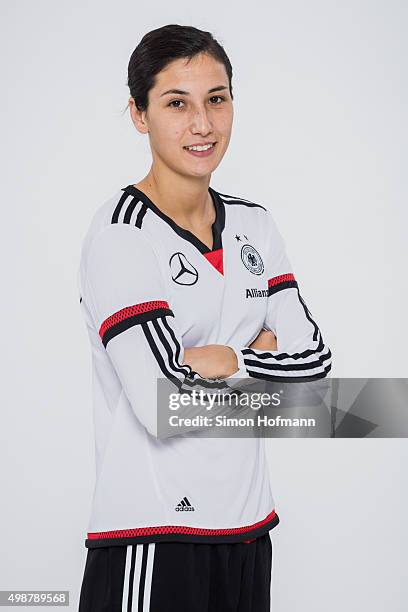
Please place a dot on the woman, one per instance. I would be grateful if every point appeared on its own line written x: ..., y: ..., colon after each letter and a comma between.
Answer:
x: 182, y: 282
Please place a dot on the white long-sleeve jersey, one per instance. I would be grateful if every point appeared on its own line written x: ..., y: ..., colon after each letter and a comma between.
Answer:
x: 149, y: 289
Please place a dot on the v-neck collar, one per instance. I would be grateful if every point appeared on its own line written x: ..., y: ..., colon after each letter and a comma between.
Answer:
x: 217, y: 227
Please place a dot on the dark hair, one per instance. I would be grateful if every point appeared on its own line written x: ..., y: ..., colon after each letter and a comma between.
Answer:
x: 163, y: 45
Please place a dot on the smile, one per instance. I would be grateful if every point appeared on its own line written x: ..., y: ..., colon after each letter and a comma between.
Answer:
x: 201, y: 150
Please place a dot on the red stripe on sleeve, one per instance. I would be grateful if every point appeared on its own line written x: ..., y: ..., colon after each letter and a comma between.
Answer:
x: 283, y: 278
x: 130, y: 311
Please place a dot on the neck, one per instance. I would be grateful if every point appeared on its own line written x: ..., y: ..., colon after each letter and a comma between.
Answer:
x: 184, y: 199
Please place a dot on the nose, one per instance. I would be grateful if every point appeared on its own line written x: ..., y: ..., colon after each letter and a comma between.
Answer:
x: 200, y: 122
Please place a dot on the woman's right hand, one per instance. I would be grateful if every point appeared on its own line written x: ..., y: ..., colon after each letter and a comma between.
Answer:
x: 265, y: 341
x: 219, y: 361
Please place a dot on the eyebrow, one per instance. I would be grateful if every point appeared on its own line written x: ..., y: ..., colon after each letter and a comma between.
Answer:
x: 186, y: 93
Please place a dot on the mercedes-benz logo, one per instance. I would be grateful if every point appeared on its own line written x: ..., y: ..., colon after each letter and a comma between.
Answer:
x: 182, y: 271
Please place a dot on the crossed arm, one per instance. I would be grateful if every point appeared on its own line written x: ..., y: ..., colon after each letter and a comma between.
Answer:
x: 219, y: 361
x: 302, y: 354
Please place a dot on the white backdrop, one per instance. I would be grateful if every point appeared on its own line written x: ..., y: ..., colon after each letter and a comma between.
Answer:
x: 319, y: 137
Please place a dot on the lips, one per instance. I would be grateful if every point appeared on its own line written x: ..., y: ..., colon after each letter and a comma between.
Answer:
x: 201, y: 153
x: 200, y: 144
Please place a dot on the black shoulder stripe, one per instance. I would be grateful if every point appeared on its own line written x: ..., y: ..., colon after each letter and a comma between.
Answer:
x: 229, y: 199
x: 125, y: 212
x: 140, y: 215
x: 129, y: 210
x: 118, y: 207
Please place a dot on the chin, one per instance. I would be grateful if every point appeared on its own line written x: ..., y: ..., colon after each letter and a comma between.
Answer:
x: 196, y: 173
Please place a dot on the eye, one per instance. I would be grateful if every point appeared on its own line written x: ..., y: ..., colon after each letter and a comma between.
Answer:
x: 220, y: 97
x: 173, y: 101
x: 177, y: 103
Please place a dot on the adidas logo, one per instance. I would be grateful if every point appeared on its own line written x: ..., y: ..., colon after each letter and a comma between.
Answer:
x: 184, y: 506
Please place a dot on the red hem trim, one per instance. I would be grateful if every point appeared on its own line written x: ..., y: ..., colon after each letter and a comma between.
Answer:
x: 141, y: 531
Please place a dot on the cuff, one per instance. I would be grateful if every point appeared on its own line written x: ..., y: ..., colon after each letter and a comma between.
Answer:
x: 241, y: 364
x: 242, y: 371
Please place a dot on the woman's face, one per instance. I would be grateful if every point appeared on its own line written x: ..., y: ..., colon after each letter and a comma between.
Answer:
x: 190, y: 104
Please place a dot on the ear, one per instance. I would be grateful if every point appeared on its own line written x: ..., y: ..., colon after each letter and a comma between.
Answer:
x: 138, y: 117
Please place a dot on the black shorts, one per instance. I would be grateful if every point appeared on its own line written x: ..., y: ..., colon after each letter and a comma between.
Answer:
x: 178, y: 577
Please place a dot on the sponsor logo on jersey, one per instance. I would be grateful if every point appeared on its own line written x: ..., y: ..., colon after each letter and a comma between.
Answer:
x: 182, y: 271
x: 252, y: 293
x: 184, y: 506
x: 252, y: 259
